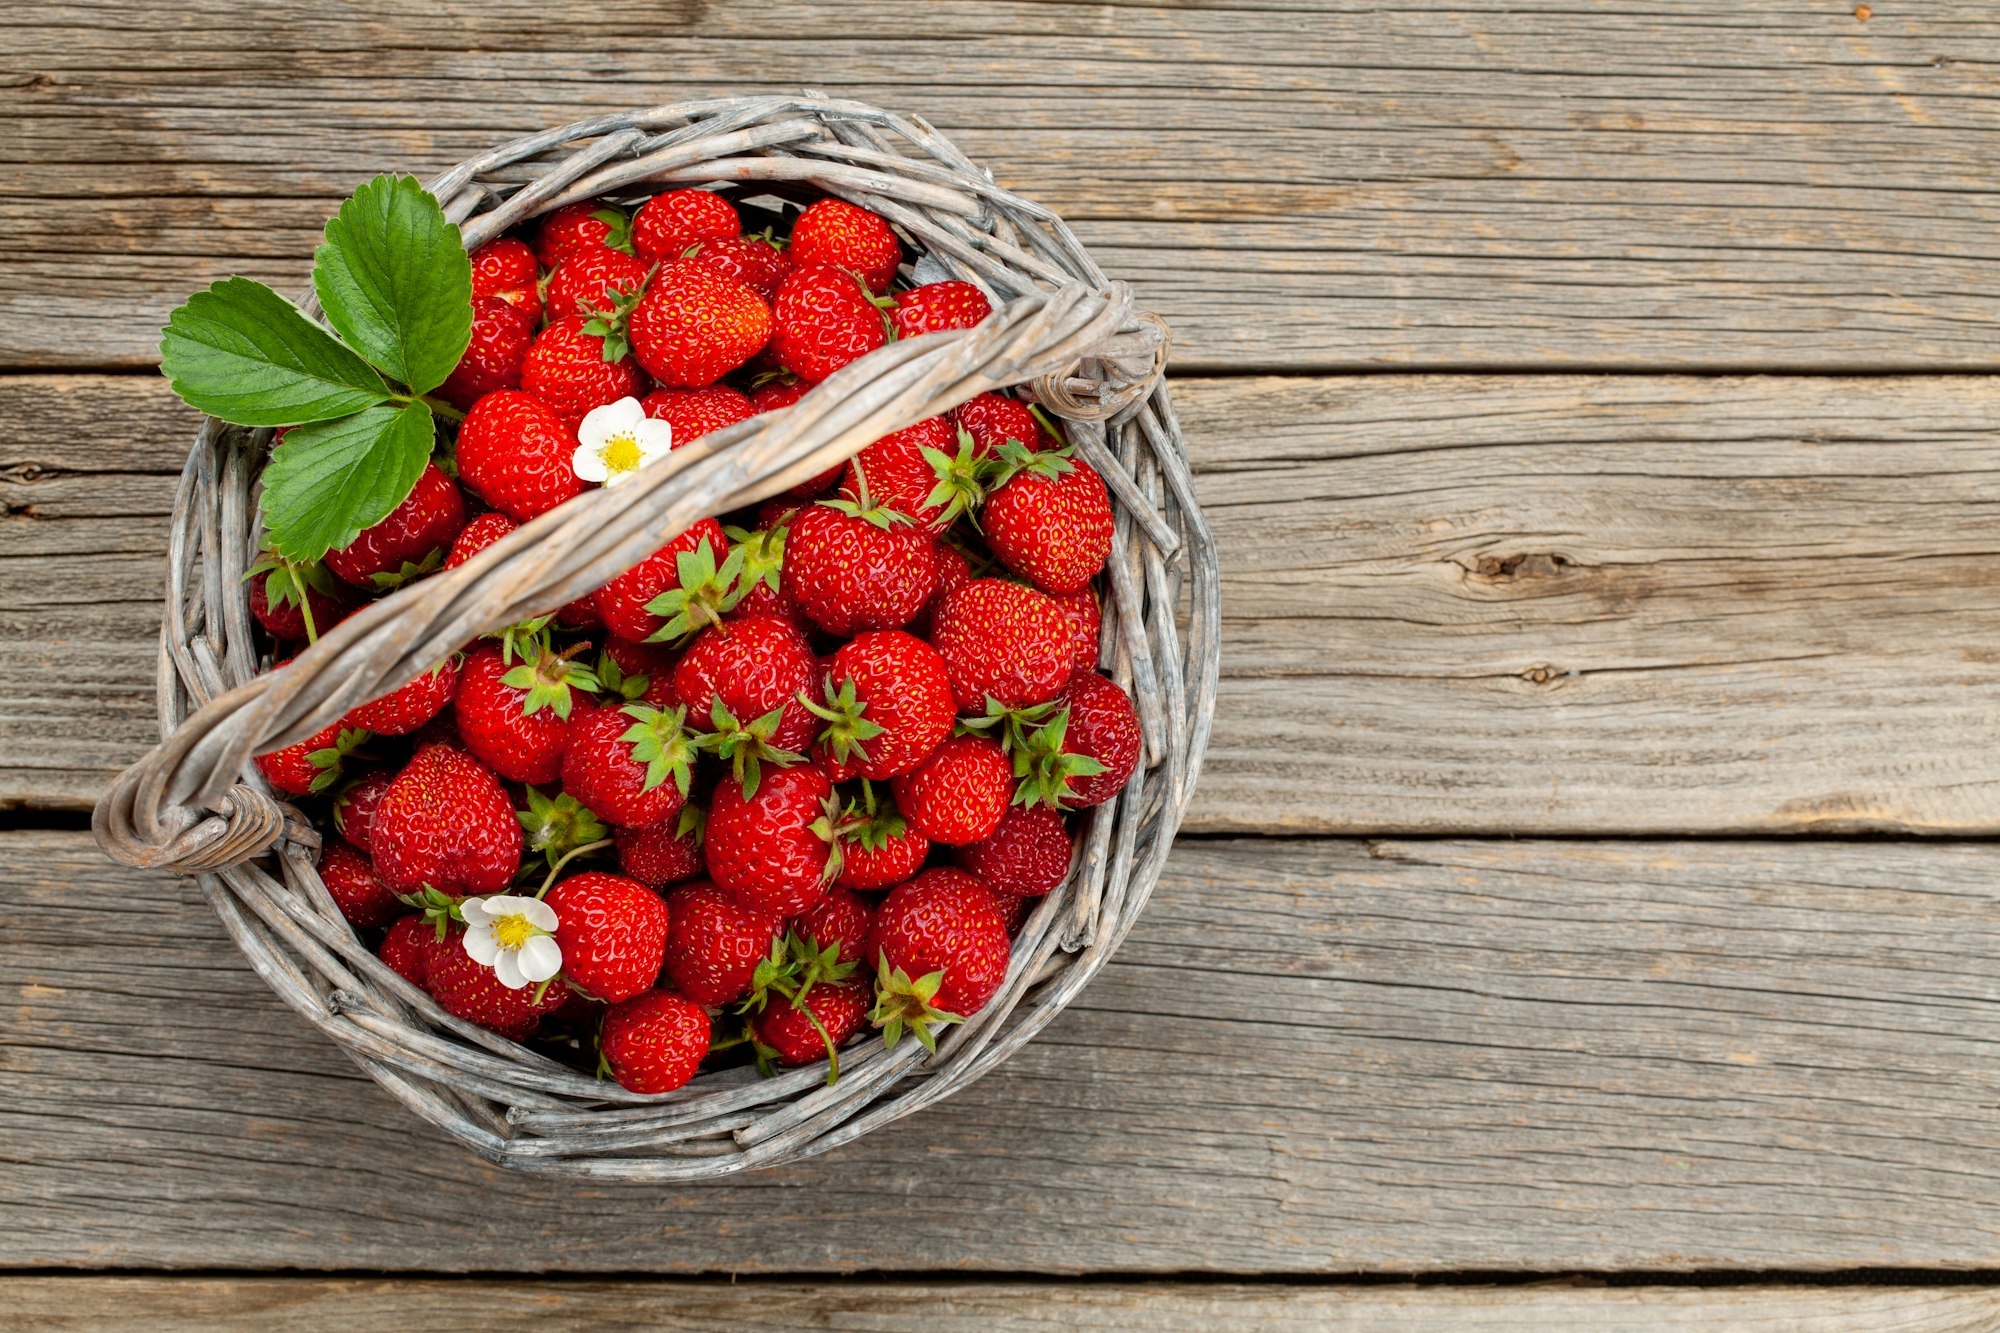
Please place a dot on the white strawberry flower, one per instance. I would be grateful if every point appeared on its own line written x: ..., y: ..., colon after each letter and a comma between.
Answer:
x: 614, y: 441
x: 512, y: 936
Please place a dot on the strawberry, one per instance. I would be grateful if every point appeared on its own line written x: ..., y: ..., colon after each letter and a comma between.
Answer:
x: 446, y: 823
x: 501, y: 336
x: 714, y: 943
x: 1050, y: 520
x: 774, y: 851
x: 298, y: 602
x: 1085, y: 753
x: 631, y: 765
x: 1013, y: 911
x: 514, y: 714
x: 776, y: 396
x: 941, y: 952
x: 612, y: 932
x: 355, y: 890
x: 812, y: 1024
x: 822, y: 320
x: 636, y: 672
x: 925, y: 471
x: 1085, y: 618
x: 467, y: 989
x: 476, y: 536
x: 693, y: 413
x: 993, y: 419
x: 408, y: 707
x: 760, y: 579
x: 408, y: 948
x: 936, y: 306
x: 572, y: 370
x: 666, y: 592
x: 840, y: 922
x: 833, y: 231
x: 851, y: 565
x: 878, y: 848
x: 754, y: 261
x: 664, y: 853
x: 1004, y: 642
x: 959, y: 794
x: 745, y: 684
x: 313, y: 764
x: 1025, y: 857
x: 515, y: 453
x: 593, y: 281
x: 692, y: 327
x: 653, y: 1042
x: 888, y: 705
x: 410, y: 541
x: 580, y: 226
x: 954, y: 571
x: 505, y: 268
x: 668, y: 224
x: 354, y: 808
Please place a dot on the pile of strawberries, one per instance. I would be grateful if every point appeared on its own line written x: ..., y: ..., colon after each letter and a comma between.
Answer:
x: 800, y: 772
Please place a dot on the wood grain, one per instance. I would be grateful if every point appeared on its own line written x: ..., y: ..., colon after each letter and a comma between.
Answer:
x: 1547, y: 604
x: 278, y: 1305
x: 1708, y: 184
x: 1359, y: 1056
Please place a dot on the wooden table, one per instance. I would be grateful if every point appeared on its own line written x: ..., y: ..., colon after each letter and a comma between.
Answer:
x: 1594, y: 403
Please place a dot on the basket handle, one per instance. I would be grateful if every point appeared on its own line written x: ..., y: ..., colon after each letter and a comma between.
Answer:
x: 194, y: 803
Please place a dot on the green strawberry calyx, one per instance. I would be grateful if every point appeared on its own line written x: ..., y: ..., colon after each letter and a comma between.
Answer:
x: 864, y: 507
x: 902, y: 1003
x: 549, y: 678
x: 763, y: 552
x: 438, y: 908
x: 707, y: 593
x: 846, y: 728
x: 330, y: 760
x: 962, y: 480
x: 611, y: 321
x: 1045, y: 767
x: 746, y: 746
x: 660, y: 740
x: 1015, y: 459
x: 558, y: 825
x: 289, y: 582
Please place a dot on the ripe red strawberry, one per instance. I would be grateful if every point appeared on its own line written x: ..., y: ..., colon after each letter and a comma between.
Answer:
x: 593, y: 281
x: 887, y: 706
x: 1013, y: 911
x: 941, y: 952
x: 654, y: 1042
x: 313, y: 764
x: 612, y: 932
x: 668, y: 224
x: 412, y: 540
x: 446, y: 823
x: 692, y: 327
x: 714, y: 943
x: 840, y: 922
x: 1050, y: 521
x: 1085, y: 618
x: 923, y: 471
x: 1005, y: 642
x: 1086, y: 752
x: 992, y: 419
x: 654, y: 597
x: 833, y: 231
x: 566, y: 368
x: 852, y: 566
x: 959, y: 794
x: 745, y: 683
x: 354, y: 808
x: 879, y: 850
x: 515, y: 453
x: 774, y: 852
x: 1026, y: 857
x: 408, y: 948
x: 822, y: 320
x: 631, y: 765
x: 282, y: 592
x: 469, y: 990
x: 760, y: 580
x: 584, y: 225
x: 693, y: 413
x: 954, y: 571
x: 477, y: 535
x: 664, y: 853
x: 751, y: 260
x: 514, y: 712
x: 355, y: 890
x: 936, y: 306
x: 813, y: 1025
x: 408, y: 707
x: 501, y: 336
x: 505, y: 268
x: 780, y: 394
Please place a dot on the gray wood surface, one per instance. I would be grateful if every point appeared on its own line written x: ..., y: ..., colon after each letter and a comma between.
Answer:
x: 1389, y: 1056
x: 278, y: 1305
x: 1453, y: 604
x: 1707, y: 183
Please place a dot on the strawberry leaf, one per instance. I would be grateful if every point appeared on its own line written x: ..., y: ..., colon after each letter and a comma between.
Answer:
x: 241, y: 352
x: 396, y: 282
x: 330, y: 480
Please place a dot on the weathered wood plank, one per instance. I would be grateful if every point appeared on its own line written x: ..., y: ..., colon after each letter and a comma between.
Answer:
x: 277, y: 1305
x: 1390, y: 1056
x: 1710, y: 183
x: 1557, y: 604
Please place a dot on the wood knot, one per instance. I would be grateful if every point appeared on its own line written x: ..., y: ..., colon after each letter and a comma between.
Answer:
x: 1543, y: 674
x: 1528, y: 565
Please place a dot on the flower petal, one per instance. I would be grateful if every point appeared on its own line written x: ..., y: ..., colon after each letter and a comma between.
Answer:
x: 479, y: 942
x: 540, y: 915
x: 601, y: 423
x: 539, y: 959
x: 588, y: 464
x: 654, y: 438
x: 507, y: 969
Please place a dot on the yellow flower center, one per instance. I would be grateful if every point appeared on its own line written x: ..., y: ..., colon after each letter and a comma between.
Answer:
x: 620, y: 453
x: 514, y: 931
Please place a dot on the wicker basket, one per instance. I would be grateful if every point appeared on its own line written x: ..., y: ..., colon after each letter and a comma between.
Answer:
x: 196, y: 806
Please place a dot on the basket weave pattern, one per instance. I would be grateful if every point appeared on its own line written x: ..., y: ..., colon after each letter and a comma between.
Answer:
x: 196, y: 806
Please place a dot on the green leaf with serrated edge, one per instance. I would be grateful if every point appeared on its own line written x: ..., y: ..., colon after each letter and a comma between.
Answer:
x: 329, y: 481
x: 241, y: 352
x: 394, y: 279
